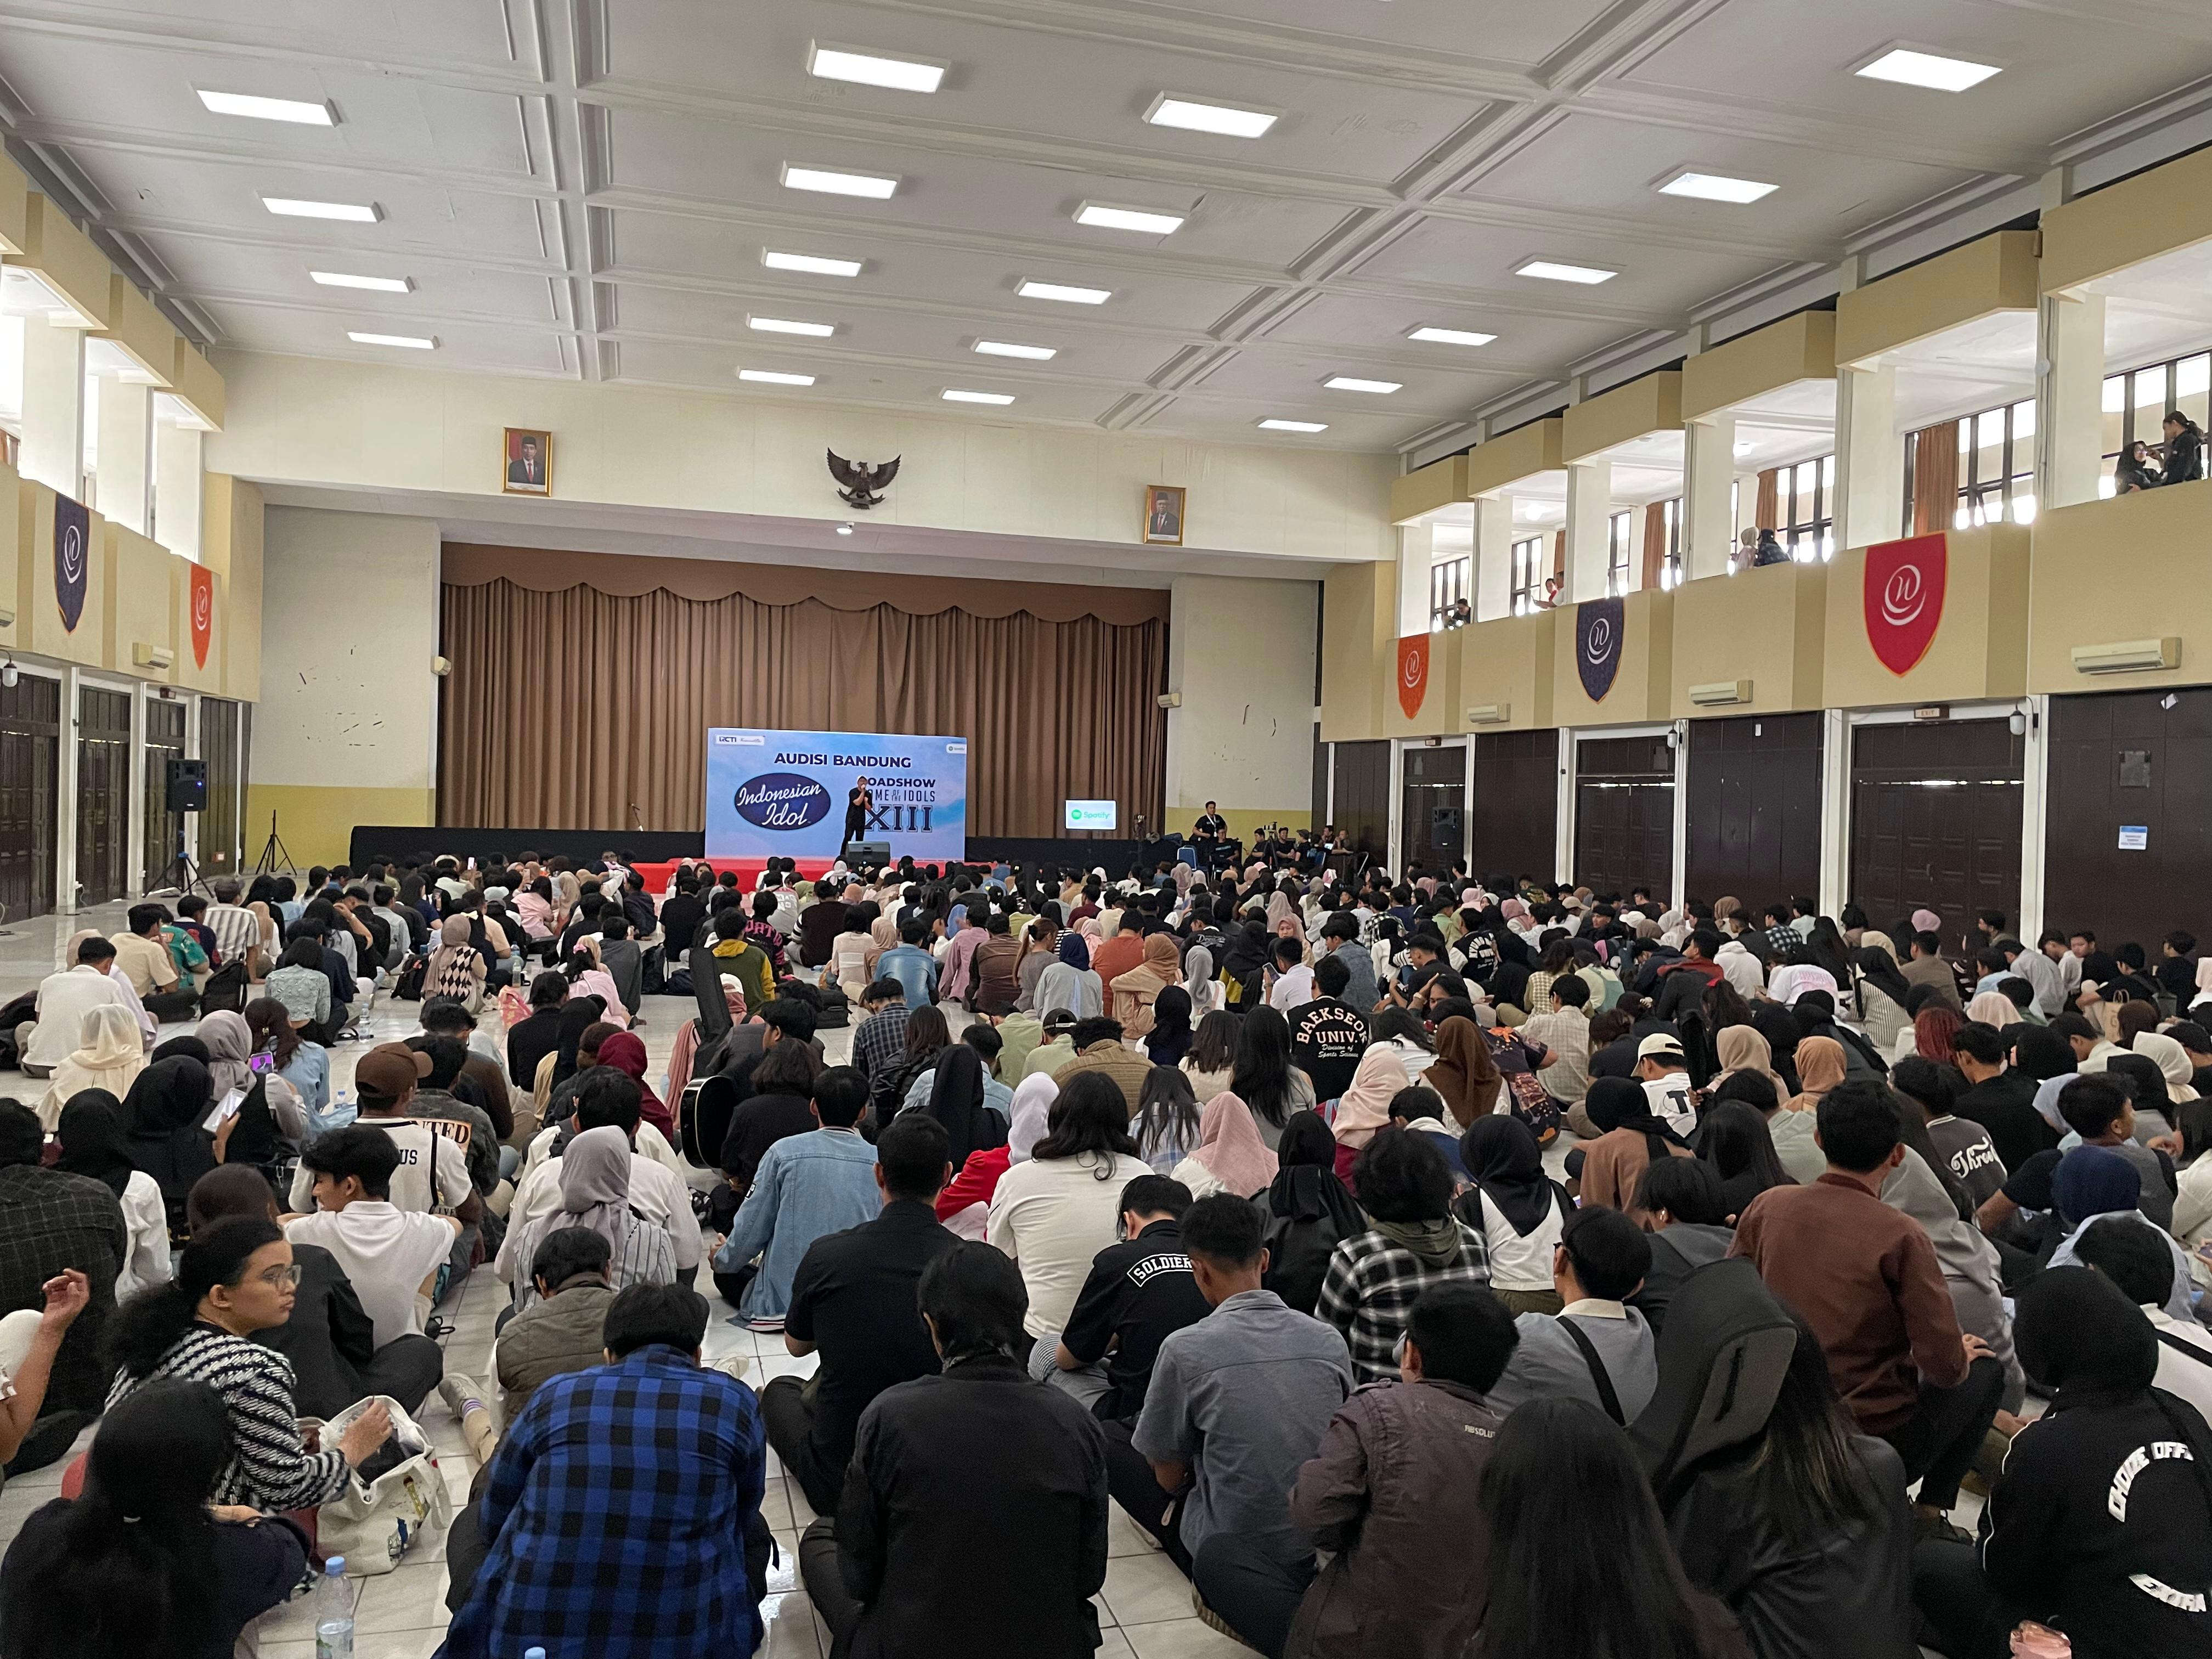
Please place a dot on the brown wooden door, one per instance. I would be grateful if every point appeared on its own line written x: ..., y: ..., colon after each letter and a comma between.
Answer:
x: 1936, y: 812
x: 220, y: 831
x: 2128, y: 760
x: 1754, y: 808
x: 1513, y: 829
x: 165, y: 742
x: 30, y: 767
x: 103, y: 794
x: 1625, y: 815
x: 1363, y: 796
x: 1432, y: 790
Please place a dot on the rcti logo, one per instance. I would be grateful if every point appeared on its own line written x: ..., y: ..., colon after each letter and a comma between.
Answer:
x: 782, y: 801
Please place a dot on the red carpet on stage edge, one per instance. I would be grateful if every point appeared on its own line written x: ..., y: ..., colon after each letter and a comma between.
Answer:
x: 658, y: 876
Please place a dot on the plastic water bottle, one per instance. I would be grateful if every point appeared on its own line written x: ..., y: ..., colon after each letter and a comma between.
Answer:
x: 533, y: 1653
x: 334, y: 1612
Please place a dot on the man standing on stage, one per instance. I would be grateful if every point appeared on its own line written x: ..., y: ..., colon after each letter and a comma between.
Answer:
x: 857, y: 800
x: 1207, y: 833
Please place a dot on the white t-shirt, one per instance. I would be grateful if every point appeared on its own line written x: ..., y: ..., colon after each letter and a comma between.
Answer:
x: 2190, y: 1379
x: 146, y: 1222
x: 386, y: 1251
x: 648, y: 1142
x: 1052, y: 1217
x: 1294, y: 990
x: 1518, y: 1263
x: 1670, y: 1102
x: 432, y: 1173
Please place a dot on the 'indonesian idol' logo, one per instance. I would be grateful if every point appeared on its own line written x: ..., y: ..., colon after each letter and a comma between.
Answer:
x: 782, y: 801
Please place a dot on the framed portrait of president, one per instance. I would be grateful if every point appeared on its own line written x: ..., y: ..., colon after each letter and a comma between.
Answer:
x: 527, y: 456
x: 1164, y: 514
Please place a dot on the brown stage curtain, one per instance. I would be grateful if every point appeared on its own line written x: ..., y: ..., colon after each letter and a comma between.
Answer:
x: 1655, y: 543
x: 1766, y: 510
x: 584, y: 709
x: 1935, y: 478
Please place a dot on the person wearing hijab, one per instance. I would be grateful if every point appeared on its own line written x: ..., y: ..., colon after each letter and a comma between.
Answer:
x: 1229, y: 1157
x: 1969, y: 1260
x: 1993, y: 1010
x: 1309, y: 1211
x: 964, y: 1204
x: 457, y: 969
x: 1630, y: 1137
x: 1205, y: 991
x: 595, y: 1195
x: 229, y: 1043
x: 1742, y: 1049
x: 1820, y: 1068
x: 1519, y: 1209
x: 1169, y: 1039
x: 93, y: 1145
x: 1879, y: 995
x: 883, y: 935
x: 1069, y: 983
x: 2092, y: 1181
x: 1365, y: 1108
x: 109, y: 1057
x: 1464, y: 1073
x: 578, y: 1015
x: 162, y: 1115
x: 2102, y: 1525
x: 625, y: 1052
x: 2172, y: 1062
x: 1135, y: 991
x: 957, y: 1101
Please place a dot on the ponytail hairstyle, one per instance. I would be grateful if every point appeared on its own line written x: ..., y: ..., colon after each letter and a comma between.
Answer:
x: 129, y: 1572
x: 149, y: 1324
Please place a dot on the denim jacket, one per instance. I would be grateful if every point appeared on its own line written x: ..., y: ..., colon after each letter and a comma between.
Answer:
x: 807, y: 1185
x: 915, y: 969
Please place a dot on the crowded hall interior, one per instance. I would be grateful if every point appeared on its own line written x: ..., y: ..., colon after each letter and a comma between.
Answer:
x: 1167, y: 828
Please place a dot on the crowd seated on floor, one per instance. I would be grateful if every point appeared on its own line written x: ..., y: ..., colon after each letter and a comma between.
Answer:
x: 1690, y: 1272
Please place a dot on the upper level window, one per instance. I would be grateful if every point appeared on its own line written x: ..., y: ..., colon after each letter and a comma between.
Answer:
x: 1448, y: 596
x: 1807, y: 500
x: 1670, y: 565
x: 1527, y: 574
x: 2136, y: 402
x: 1996, y: 467
x: 1620, y: 552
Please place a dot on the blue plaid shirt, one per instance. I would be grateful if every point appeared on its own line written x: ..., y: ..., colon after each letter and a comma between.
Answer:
x: 614, y: 1516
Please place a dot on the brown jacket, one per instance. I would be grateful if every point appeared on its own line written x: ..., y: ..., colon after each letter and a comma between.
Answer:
x: 1398, y: 1470
x: 997, y: 984
x: 1124, y: 1064
x: 1612, y: 1167
x: 560, y: 1334
x: 1934, y: 973
x: 1134, y: 993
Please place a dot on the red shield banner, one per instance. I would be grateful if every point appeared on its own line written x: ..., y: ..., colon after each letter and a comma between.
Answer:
x: 1905, y: 585
x: 1413, y: 672
x: 202, y: 598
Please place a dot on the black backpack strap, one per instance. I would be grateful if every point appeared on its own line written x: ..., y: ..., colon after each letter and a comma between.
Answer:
x: 2182, y: 1345
x: 1606, y: 1395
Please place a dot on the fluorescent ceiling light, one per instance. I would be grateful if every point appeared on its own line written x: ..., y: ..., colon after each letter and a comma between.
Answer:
x: 1076, y: 296
x: 1552, y: 271
x: 1350, y: 383
x: 977, y: 398
x: 772, y: 377
x: 380, y: 284
x: 1925, y: 69
x: 1102, y: 217
x: 1716, y: 187
x: 361, y: 213
x: 414, y: 343
x: 1196, y: 115
x: 809, y: 264
x: 832, y: 183
x: 872, y: 69
x: 1294, y: 426
x: 268, y: 109
x: 784, y: 325
x: 1006, y: 349
x: 1460, y: 336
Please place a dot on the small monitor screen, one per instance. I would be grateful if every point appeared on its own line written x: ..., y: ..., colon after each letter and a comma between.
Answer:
x: 1093, y: 815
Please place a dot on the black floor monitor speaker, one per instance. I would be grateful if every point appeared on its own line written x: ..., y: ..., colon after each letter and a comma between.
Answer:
x: 187, y: 785
x: 867, y: 853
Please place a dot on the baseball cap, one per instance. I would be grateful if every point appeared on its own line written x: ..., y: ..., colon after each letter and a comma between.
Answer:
x: 1659, y: 1045
x: 389, y: 1070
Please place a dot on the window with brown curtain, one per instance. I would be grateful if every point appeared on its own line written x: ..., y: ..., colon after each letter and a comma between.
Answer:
x: 1934, y: 460
x: 1655, y: 543
x: 1766, y: 508
x: 575, y: 708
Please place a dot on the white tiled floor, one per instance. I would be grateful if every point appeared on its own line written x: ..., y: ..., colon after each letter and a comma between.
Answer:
x: 1144, y: 1609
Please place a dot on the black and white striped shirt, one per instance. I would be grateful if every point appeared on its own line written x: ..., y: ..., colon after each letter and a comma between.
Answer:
x: 270, y: 1466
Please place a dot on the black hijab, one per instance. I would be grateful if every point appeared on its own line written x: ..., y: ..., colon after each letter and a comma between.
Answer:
x: 1305, y: 1187
x: 578, y: 1015
x: 1619, y: 1103
x: 92, y: 1140
x: 956, y: 1100
x: 182, y: 1047
x: 1170, y: 1036
x: 1877, y: 968
x: 162, y: 1115
x: 1501, y: 1155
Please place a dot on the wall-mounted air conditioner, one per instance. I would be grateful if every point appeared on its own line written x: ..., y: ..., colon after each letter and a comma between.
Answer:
x: 1490, y: 713
x: 1720, y: 691
x: 2128, y: 656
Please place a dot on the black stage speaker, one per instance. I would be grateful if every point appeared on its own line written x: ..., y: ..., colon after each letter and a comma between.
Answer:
x: 867, y: 852
x: 187, y: 785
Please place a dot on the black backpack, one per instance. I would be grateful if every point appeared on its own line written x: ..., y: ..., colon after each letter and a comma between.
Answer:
x: 225, y: 990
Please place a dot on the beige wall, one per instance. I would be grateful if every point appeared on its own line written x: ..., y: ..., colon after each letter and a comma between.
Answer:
x: 1642, y: 688
x: 2158, y: 538
x: 1428, y: 489
x: 1653, y: 403
x: 1980, y: 647
x: 1359, y: 649
x: 1768, y: 626
x: 2124, y: 224
x: 1800, y: 348
x: 1241, y: 651
x: 293, y: 420
x: 1997, y: 273
x: 1509, y: 661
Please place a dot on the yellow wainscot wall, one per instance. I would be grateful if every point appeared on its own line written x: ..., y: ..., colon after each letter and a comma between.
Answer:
x: 2130, y: 570
x: 1980, y: 646
x: 1768, y: 626
x: 1508, y: 664
x: 1643, y: 686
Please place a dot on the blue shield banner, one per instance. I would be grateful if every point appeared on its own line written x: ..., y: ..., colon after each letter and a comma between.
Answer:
x: 72, y: 557
x: 1597, y: 645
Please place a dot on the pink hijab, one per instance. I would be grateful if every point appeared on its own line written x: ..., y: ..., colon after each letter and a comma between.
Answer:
x: 1230, y: 1146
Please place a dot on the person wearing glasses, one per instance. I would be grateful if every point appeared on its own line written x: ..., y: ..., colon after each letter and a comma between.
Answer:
x: 234, y: 1279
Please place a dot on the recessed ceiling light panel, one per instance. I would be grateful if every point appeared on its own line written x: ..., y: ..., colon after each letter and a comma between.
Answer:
x: 1293, y: 426
x: 1353, y: 383
x: 952, y: 396
x: 296, y: 111
x: 1552, y: 270
x: 1927, y: 69
x: 786, y: 325
x: 774, y: 377
x: 870, y: 68
x: 1102, y: 216
x: 412, y: 342
x: 1063, y: 291
x: 812, y: 265
x: 1716, y: 187
x: 1007, y: 349
x: 829, y: 181
x: 1459, y: 337
x: 365, y: 213
x: 1197, y: 115
x: 380, y: 284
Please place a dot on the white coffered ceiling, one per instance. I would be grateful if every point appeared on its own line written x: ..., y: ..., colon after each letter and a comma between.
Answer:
x: 585, y: 188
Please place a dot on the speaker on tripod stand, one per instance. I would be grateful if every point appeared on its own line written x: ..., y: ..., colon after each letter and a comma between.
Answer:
x: 184, y: 790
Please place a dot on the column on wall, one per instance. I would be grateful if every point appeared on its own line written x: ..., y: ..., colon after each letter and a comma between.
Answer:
x: 179, y: 489
x: 1590, y: 506
x: 1493, y: 558
x: 1869, y: 457
x: 1416, y: 554
x: 125, y: 451
x: 1708, y: 473
x: 2071, y: 419
x: 53, y: 406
